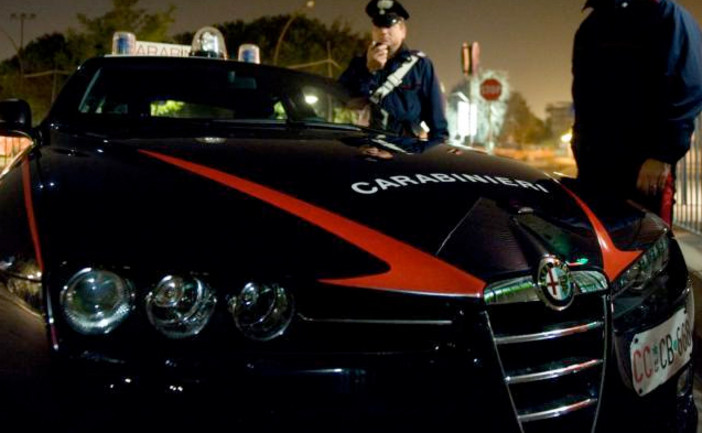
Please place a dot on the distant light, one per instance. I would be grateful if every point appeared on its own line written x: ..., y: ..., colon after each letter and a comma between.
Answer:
x: 567, y: 137
x: 311, y: 99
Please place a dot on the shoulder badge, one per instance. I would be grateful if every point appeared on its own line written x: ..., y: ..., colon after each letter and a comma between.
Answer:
x: 383, y: 5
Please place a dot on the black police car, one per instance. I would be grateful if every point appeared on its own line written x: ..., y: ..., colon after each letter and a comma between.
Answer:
x: 197, y: 241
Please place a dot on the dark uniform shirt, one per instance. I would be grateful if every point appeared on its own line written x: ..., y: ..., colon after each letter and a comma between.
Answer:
x: 637, y: 87
x: 418, y: 98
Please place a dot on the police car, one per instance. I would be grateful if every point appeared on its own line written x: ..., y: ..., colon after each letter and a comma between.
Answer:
x: 193, y: 241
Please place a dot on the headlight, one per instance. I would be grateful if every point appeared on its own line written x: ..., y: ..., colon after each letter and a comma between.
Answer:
x: 262, y: 311
x: 648, y: 266
x: 180, y: 307
x: 96, y: 301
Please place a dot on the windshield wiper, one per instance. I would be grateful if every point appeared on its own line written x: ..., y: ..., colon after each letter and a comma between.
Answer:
x: 319, y: 124
x: 257, y: 122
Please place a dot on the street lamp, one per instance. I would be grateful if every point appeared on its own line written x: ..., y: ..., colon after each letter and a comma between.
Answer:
x: 308, y: 4
x: 12, y: 41
x: 19, y: 55
x: 21, y: 17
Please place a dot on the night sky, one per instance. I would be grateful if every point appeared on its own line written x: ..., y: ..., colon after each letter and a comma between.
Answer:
x: 529, y: 39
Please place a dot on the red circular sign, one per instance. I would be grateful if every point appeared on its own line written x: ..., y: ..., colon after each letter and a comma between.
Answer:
x: 491, y: 89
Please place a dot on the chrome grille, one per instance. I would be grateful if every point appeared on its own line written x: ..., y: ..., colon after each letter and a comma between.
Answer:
x: 553, y: 361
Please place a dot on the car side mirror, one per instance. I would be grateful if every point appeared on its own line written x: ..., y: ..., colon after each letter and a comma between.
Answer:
x: 15, y: 117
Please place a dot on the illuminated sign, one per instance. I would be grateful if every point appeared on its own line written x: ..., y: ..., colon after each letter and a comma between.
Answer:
x: 144, y: 48
x: 125, y: 43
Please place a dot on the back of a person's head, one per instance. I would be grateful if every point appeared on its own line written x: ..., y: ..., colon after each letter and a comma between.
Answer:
x: 599, y: 4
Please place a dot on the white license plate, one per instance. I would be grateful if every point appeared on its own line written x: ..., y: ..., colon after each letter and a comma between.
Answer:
x: 657, y: 354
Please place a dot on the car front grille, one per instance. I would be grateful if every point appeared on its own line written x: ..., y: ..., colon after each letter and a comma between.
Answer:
x: 553, y: 361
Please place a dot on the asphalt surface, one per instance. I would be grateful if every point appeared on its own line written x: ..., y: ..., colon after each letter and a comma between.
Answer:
x: 23, y: 330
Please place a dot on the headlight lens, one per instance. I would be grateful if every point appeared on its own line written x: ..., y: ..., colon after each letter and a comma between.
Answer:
x: 95, y: 301
x: 262, y: 311
x: 650, y: 264
x: 180, y: 307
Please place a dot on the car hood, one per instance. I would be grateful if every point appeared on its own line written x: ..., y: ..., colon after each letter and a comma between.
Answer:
x: 329, y: 206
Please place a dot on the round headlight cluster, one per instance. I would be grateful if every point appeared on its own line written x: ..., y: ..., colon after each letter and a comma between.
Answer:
x: 262, y: 311
x: 648, y: 266
x: 95, y: 301
x: 660, y: 253
x: 180, y: 307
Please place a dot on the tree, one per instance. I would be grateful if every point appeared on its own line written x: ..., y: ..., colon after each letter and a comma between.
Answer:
x: 96, y: 37
x: 45, y: 59
x: 521, y: 125
x: 48, y: 59
x: 305, y: 42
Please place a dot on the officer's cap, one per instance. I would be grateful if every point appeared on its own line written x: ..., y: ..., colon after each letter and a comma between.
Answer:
x: 386, y: 13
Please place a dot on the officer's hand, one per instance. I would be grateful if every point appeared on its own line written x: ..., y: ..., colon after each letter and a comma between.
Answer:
x: 376, y: 57
x: 374, y: 152
x: 653, y: 176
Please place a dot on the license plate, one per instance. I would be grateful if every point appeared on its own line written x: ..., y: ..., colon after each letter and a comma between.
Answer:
x: 659, y: 353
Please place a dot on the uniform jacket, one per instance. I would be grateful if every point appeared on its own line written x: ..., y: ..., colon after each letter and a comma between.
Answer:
x: 637, y: 85
x: 417, y: 99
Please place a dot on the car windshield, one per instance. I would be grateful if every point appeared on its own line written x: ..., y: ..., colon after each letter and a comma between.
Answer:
x: 203, y: 89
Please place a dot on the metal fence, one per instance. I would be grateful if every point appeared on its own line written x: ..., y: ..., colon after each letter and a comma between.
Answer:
x: 687, y: 212
x: 10, y: 147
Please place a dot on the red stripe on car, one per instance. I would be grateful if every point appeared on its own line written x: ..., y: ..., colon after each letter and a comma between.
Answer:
x: 34, y: 230
x: 410, y: 270
x: 615, y: 260
x: 29, y: 206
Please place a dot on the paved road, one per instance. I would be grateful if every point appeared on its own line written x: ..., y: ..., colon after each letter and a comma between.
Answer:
x: 25, y: 333
x: 22, y: 374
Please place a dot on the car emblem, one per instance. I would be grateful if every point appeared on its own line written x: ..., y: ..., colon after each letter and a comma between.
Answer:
x: 556, y: 288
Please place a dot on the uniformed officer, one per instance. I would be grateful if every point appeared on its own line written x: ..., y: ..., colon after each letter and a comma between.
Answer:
x: 411, y: 105
x: 637, y: 89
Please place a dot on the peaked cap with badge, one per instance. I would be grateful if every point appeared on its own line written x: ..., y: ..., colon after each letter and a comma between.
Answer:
x: 386, y: 13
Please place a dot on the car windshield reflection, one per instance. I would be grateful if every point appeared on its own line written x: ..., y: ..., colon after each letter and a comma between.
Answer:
x: 206, y: 90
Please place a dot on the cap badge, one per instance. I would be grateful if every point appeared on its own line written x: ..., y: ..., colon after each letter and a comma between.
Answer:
x: 383, y: 5
x: 556, y: 287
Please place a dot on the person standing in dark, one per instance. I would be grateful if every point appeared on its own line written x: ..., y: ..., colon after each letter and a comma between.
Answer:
x: 408, y: 102
x: 637, y: 88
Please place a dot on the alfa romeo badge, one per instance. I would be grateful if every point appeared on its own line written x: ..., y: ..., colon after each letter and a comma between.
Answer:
x: 556, y: 287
